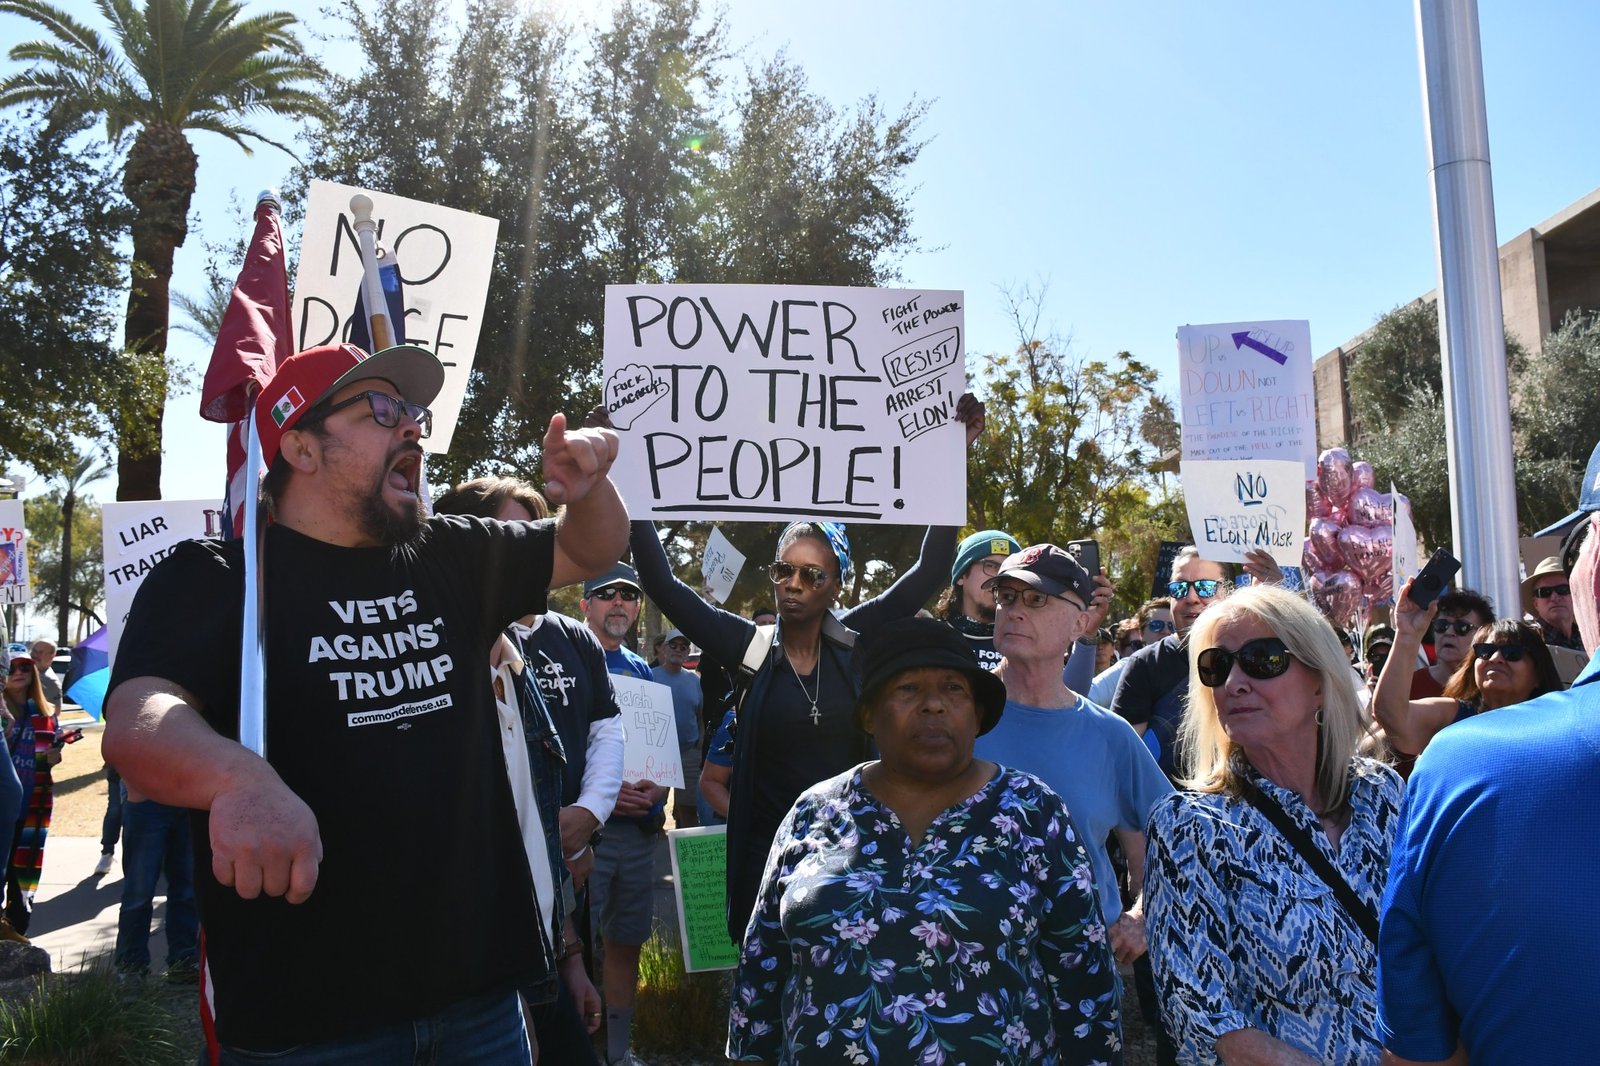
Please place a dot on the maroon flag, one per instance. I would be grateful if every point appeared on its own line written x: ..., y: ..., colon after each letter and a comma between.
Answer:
x: 254, y: 339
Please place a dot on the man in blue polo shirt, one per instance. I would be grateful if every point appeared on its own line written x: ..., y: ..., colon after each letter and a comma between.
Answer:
x: 1488, y: 938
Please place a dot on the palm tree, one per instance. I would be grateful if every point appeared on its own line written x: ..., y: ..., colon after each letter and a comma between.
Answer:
x: 90, y: 466
x: 177, y: 65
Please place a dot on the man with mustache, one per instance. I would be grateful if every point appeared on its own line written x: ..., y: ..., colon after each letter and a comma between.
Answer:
x: 384, y: 786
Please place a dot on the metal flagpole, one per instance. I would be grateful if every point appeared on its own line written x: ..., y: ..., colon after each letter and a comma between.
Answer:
x: 379, y: 328
x: 252, y: 657
x: 1477, y: 400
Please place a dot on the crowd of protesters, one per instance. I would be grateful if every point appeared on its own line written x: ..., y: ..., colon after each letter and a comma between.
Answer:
x: 979, y: 835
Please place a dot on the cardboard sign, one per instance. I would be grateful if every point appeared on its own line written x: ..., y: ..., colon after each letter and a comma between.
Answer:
x: 1236, y: 508
x: 1407, y: 556
x: 699, y: 875
x: 13, y: 554
x: 445, y: 258
x: 650, y: 731
x: 137, y: 535
x: 721, y: 566
x: 760, y: 403
x: 1246, y: 392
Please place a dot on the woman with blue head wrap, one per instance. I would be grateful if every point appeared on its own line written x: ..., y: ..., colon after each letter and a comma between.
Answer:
x: 796, y: 724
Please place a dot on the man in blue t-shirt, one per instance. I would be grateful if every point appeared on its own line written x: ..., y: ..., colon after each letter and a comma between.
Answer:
x: 621, y: 888
x: 1093, y: 759
x: 686, y: 702
x: 1488, y: 930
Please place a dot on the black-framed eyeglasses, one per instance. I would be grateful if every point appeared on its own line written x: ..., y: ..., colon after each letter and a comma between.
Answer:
x: 1033, y: 599
x: 611, y: 592
x: 1546, y: 591
x: 1205, y: 588
x: 386, y: 410
x: 1263, y: 659
x: 1461, y: 626
x: 1511, y: 653
x: 780, y: 571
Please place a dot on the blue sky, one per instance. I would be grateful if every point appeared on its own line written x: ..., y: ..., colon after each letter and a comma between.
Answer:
x: 1155, y: 163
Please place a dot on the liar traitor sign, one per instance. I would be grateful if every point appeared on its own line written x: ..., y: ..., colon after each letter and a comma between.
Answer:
x: 137, y: 535
x: 759, y: 403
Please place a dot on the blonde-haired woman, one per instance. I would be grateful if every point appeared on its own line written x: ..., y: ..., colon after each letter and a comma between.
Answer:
x: 1263, y: 881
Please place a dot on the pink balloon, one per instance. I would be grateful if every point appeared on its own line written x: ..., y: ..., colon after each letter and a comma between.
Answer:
x: 1322, y: 545
x: 1368, y: 549
x: 1337, y: 595
x: 1381, y: 589
x: 1335, y: 477
x: 1369, y: 507
x: 1365, y: 476
x: 1317, y: 505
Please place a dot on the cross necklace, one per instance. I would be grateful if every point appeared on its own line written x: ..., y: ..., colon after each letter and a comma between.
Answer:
x: 816, y: 715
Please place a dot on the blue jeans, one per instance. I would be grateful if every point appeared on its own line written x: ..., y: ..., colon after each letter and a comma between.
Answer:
x: 485, y: 1031
x: 155, y: 837
x: 10, y: 809
x: 111, y: 824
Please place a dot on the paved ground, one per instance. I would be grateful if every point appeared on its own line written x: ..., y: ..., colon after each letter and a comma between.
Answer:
x: 75, y: 913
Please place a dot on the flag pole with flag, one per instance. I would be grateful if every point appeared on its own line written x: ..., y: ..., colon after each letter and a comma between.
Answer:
x: 254, y: 339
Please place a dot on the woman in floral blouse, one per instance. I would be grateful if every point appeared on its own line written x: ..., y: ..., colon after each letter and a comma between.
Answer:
x: 1255, y: 956
x: 928, y: 907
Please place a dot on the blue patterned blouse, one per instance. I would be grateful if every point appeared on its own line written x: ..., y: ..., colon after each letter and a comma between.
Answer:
x: 1243, y: 934
x: 980, y: 943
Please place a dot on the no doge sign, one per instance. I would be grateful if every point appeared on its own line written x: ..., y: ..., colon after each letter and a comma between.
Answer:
x: 765, y: 402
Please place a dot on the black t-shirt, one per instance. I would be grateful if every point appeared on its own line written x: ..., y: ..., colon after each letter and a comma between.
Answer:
x: 980, y: 638
x: 1153, y: 692
x: 570, y: 667
x: 380, y: 717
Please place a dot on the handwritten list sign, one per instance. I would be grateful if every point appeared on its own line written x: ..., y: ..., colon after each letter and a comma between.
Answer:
x: 759, y: 403
x: 650, y: 732
x: 1246, y: 392
x: 1240, y: 507
x: 699, y: 873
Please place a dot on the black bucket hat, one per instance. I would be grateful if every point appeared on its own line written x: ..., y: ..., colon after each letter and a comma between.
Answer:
x: 914, y: 643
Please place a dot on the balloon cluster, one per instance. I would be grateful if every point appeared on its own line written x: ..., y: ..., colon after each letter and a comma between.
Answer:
x: 1349, y: 550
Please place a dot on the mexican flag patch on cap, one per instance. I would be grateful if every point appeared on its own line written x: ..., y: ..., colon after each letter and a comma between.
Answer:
x: 287, y: 406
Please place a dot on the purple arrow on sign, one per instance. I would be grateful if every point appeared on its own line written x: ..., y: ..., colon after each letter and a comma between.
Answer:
x: 1242, y: 339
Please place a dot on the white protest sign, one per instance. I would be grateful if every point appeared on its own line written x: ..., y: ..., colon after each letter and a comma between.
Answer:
x: 721, y: 566
x: 759, y: 403
x: 13, y: 554
x: 1246, y: 392
x: 1407, y: 556
x: 136, y: 535
x: 650, y: 731
x: 445, y: 257
x: 1242, y: 507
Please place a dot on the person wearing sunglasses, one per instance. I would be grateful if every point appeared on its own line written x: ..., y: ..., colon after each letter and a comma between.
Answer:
x: 383, y: 750
x: 1089, y: 756
x: 21, y: 712
x: 1150, y: 692
x: 1257, y: 957
x: 1507, y: 663
x: 1547, y: 597
x: 1149, y: 625
x: 968, y: 604
x: 1460, y: 613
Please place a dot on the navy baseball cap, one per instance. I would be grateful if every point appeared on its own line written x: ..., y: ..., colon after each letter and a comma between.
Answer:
x: 621, y: 574
x: 1049, y: 569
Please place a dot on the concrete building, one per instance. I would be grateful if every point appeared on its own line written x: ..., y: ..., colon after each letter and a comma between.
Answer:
x: 1546, y: 273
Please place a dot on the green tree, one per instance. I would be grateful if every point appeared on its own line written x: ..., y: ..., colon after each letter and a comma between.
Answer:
x: 1070, y: 450
x: 168, y: 68
x: 1557, y: 420
x: 53, y: 537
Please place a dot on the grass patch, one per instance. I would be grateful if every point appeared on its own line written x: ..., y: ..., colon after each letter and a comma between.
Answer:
x: 91, y: 1019
x: 677, y: 1012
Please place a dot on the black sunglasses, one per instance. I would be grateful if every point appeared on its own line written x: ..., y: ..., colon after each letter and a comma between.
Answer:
x: 781, y: 571
x: 1130, y: 645
x: 1205, y: 588
x: 611, y: 592
x: 21, y: 666
x: 1460, y: 625
x: 1547, y: 591
x: 386, y: 410
x: 1263, y: 659
x: 1511, y: 653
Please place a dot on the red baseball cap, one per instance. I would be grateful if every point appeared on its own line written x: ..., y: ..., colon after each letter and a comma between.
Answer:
x: 307, y: 378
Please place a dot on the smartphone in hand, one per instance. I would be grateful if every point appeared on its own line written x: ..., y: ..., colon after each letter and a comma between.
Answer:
x: 1434, y: 578
x: 1087, y: 553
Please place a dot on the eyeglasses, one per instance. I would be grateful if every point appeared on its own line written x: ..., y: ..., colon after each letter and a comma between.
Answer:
x: 815, y: 576
x: 1032, y: 599
x: 1263, y: 659
x: 1205, y: 588
x: 1159, y: 626
x: 1129, y: 645
x: 678, y: 645
x: 611, y: 592
x: 990, y: 567
x: 1511, y: 653
x: 1547, y: 591
x: 386, y: 410
x: 1460, y: 625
